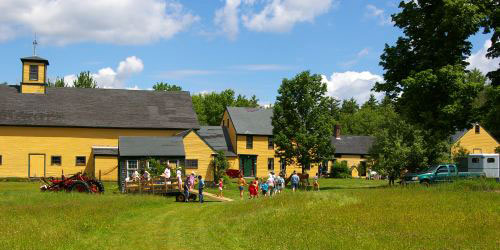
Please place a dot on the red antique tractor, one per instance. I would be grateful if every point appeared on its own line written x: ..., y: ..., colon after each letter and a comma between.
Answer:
x: 76, y: 183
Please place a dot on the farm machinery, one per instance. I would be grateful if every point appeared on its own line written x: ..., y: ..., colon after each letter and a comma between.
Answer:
x: 76, y: 183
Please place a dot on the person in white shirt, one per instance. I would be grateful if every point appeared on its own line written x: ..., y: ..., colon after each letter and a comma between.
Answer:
x: 179, y: 178
x: 167, y: 174
x: 135, y: 176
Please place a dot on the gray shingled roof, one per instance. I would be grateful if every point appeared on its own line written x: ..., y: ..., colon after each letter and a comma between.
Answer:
x: 34, y: 59
x: 218, y: 138
x: 349, y: 144
x: 97, y: 108
x: 96, y: 150
x: 151, y: 146
x: 251, y: 121
x: 455, y: 137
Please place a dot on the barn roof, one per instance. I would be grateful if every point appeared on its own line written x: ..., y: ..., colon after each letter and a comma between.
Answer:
x: 151, y: 146
x: 97, y: 150
x: 353, y: 145
x: 97, y: 108
x: 251, y: 121
x: 217, y: 137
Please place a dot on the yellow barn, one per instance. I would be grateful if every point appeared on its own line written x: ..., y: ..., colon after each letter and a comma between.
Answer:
x: 475, y: 140
x: 48, y: 131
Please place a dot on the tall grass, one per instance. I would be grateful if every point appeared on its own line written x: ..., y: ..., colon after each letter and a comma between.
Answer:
x: 344, y: 215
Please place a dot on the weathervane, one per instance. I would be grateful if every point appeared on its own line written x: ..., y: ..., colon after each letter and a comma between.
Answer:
x: 35, y: 43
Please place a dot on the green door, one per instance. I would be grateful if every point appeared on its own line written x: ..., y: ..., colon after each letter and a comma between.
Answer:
x: 247, y: 164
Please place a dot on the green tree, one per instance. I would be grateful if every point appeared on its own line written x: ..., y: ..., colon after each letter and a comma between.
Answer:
x: 440, y: 101
x: 349, y: 106
x: 398, y: 147
x: 490, y: 110
x: 302, y: 123
x: 435, y: 35
x: 59, y: 83
x: 161, y: 86
x: 210, y: 106
x: 371, y: 103
x: 220, y: 165
x: 491, y: 24
x: 425, y: 70
x: 85, y: 80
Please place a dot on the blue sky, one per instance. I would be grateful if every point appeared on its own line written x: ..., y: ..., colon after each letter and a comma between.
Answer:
x: 207, y: 45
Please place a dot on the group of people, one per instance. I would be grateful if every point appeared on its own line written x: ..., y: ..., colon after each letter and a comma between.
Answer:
x: 273, y: 185
x: 188, y: 184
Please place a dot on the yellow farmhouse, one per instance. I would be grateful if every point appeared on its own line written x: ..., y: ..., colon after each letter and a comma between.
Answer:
x: 353, y: 150
x: 48, y: 131
x: 475, y: 140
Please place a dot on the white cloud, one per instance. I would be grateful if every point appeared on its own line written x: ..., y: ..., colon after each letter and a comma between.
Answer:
x: 109, y: 78
x: 352, y: 84
x: 362, y: 53
x: 282, y: 15
x: 107, y: 21
x: 227, y: 18
x: 478, y: 60
x: 379, y: 14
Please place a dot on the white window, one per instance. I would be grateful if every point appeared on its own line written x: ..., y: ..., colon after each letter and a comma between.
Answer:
x: 131, y: 167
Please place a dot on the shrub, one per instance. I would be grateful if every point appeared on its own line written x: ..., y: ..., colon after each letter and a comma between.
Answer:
x: 341, y: 170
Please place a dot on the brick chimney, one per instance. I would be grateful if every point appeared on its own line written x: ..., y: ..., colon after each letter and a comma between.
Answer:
x: 336, y: 131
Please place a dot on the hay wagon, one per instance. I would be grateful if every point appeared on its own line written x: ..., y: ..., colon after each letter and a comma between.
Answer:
x: 158, y: 186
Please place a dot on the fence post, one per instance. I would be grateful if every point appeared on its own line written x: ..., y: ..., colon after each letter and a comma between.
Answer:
x: 99, y: 175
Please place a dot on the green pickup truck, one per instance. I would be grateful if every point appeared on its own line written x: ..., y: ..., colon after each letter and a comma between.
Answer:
x: 439, y: 173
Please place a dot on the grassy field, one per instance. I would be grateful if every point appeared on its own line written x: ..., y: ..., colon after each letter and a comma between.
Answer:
x: 345, y: 214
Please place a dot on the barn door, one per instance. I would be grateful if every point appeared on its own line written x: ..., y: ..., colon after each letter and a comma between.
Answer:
x: 36, y: 165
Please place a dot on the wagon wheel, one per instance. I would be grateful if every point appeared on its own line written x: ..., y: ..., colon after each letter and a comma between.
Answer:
x: 79, y: 186
x: 192, y: 197
x: 180, y: 198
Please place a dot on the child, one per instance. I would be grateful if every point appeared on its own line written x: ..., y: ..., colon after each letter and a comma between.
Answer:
x: 270, y: 185
x: 252, y: 189
x: 241, y: 184
x: 279, y: 184
x: 201, y: 185
x: 316, y: 183
x: 221, y: 185
x: 264, y: 188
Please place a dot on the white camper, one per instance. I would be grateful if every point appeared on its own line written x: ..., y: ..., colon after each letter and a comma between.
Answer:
x: 486, y: 163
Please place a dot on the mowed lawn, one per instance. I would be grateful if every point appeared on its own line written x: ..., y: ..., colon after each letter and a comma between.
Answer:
x: 345, y: 214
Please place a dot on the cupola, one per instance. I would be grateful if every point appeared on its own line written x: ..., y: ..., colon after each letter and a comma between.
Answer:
x: 34, y: 79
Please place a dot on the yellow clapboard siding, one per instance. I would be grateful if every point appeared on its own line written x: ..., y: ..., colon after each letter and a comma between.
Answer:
x: 26, y: 72
x: 108, y: 167
x: 196, y: 149
x: 17, y: 142
x: 231, y: 130
x: 352, y: 162
x: 32, y: 88
x: 482, y: 141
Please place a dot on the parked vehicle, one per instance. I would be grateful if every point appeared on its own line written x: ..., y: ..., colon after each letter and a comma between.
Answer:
x: 485, y: 163
x: 439, y: 173
x: 77, y: 183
